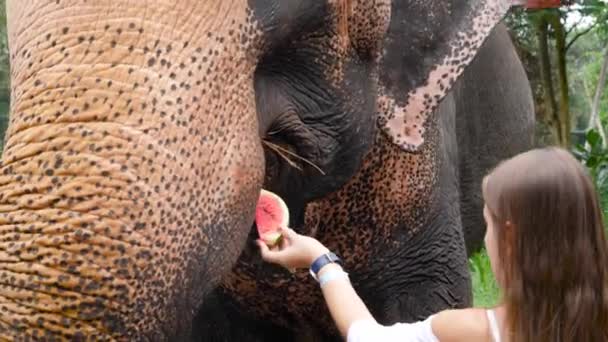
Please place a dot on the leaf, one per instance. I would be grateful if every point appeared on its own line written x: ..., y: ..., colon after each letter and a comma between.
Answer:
x: 592, y: 162
x: 593, y: 138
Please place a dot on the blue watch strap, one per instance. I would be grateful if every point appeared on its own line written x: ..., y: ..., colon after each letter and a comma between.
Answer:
x: 323, y: 260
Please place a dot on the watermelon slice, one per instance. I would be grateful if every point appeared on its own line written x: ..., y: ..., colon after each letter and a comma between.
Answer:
x: 271, y: 214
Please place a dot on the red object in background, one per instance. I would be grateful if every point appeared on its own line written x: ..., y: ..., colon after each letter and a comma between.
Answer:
x: 540, y: 4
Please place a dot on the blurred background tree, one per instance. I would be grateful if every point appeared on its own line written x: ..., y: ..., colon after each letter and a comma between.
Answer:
x: 563, y: 50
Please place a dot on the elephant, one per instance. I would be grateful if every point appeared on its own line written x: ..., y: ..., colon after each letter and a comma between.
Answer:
x: 405, y: 268
x: 141, y: 134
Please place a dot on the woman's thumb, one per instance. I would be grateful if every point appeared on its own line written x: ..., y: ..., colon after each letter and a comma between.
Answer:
x: 267, y: 254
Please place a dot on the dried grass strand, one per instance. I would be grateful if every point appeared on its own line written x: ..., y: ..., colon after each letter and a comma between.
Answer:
x: 285, y: 153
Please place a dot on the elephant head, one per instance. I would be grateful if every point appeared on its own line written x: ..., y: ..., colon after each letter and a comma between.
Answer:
x: 142, y: 132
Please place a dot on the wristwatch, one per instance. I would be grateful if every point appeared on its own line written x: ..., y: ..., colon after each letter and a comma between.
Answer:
x: 321, y: 261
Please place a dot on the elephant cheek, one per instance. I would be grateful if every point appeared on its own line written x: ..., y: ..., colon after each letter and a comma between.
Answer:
x: 228, y: 230
x: 125, y: 192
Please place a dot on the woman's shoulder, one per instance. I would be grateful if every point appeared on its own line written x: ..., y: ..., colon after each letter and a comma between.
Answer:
x: 461, y: 325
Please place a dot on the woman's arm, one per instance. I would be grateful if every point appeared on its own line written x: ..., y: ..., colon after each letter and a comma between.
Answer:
x: 347, y: 308
x: 461, y: 325
x: 344, y: 304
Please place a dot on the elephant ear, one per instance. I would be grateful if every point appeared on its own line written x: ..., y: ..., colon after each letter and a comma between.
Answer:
x: 426, y: 48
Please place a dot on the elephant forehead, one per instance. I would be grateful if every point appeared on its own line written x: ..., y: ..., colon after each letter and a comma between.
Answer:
x: 368, y: 22
x: 124, y: 36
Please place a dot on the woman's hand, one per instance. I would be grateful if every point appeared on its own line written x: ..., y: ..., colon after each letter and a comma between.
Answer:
x: 295, y: 250
x: 299, y: 251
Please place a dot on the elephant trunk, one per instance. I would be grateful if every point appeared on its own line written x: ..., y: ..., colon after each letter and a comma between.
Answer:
x: 132, y: 165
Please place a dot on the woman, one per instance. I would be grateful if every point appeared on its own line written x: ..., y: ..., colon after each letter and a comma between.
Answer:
x: 546, y: 242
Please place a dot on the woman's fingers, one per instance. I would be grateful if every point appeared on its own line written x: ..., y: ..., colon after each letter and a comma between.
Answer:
x: 263, y: 247
x: 274, y: 256
x: 293, y: 251
x: 267, y: 254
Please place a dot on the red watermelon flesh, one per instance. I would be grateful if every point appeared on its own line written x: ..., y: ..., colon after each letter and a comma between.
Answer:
x: 271, y: 214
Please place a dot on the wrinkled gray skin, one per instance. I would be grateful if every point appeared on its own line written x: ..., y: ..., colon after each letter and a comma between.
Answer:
x: 487, y: 117
x: 496, y: 89
x: 141, y: 134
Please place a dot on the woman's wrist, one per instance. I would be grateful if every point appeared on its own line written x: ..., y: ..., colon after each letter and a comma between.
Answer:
x: 316, y: 253
x: 333, y: 267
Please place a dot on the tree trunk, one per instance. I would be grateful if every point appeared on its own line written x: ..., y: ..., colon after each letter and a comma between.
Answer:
x: 563, y: 112
x: 551, y: 118
x: 594, y: 122
x: 594, y: 119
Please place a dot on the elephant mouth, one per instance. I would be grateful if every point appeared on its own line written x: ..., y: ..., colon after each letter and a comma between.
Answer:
x: 282, y: 165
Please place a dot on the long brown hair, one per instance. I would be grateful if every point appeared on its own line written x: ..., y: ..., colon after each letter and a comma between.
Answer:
x: 552, y: 246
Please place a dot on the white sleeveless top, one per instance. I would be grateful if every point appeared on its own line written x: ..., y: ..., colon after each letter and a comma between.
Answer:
x: 370, y: 331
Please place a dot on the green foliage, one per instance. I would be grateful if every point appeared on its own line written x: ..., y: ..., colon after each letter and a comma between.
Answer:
x: 485, y: 289
x: 595, y: 157
x: 596, y: 11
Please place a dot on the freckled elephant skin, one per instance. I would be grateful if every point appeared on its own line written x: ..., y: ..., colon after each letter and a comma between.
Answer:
x: 141, y: 133
x: 123, y: 194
